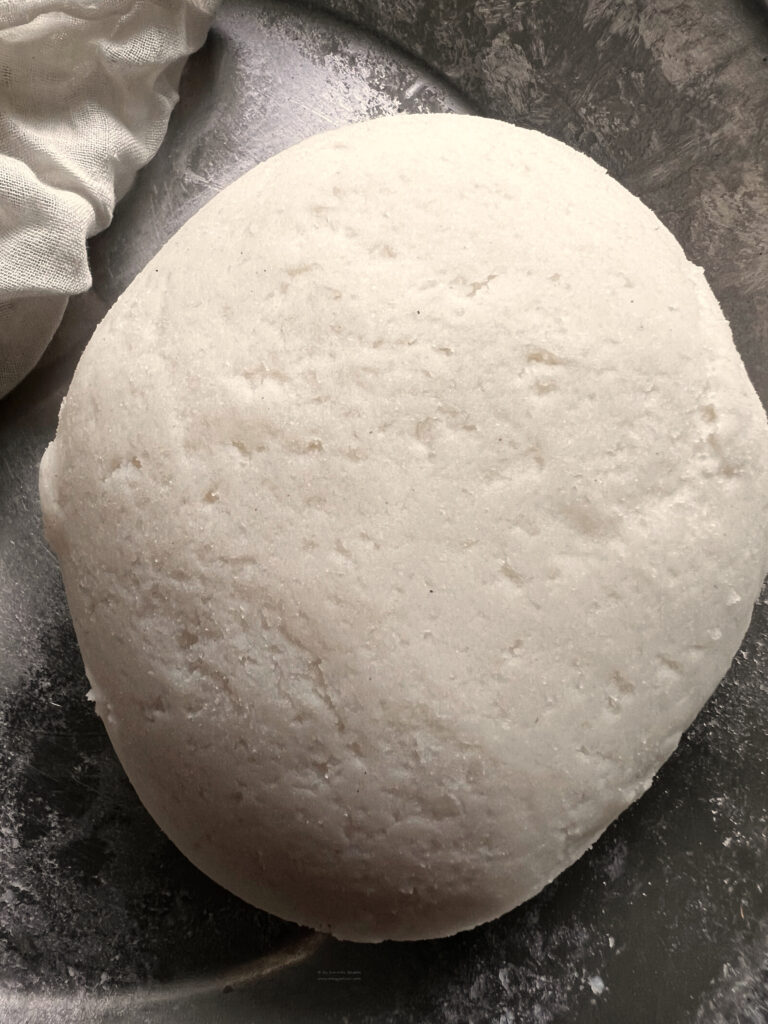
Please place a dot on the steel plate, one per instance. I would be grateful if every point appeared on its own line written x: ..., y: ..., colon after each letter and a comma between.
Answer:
x: 666, y: 918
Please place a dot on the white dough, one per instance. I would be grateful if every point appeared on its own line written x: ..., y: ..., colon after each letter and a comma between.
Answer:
x: 410, y: 503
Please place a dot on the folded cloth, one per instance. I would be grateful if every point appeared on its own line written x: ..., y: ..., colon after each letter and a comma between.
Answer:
x: 86, y: 90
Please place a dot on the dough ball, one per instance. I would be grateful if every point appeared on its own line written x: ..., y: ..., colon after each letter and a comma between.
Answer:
x: 410, y: 504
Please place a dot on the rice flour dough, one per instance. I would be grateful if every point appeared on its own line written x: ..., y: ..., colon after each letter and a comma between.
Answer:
x: 410, y: 503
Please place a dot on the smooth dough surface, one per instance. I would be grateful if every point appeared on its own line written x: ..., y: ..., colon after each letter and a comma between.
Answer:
x: 410, y: 503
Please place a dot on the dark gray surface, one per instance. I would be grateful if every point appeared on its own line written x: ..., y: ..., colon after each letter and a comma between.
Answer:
x: 665, y: 920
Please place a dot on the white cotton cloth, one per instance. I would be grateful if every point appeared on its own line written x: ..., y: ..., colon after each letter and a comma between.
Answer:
x: 86, y: 90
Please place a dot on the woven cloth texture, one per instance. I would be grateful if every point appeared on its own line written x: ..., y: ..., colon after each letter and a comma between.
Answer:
x: 86, y: 90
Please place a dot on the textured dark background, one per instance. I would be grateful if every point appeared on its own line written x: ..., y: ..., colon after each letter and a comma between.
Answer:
x: 666, y: 919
